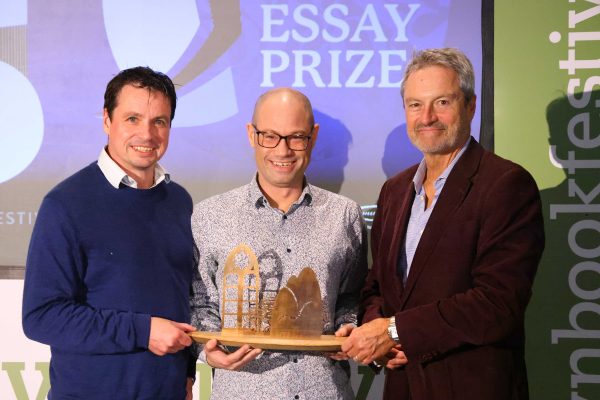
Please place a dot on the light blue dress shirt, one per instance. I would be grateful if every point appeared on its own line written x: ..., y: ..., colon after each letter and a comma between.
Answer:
x: 419, y: 215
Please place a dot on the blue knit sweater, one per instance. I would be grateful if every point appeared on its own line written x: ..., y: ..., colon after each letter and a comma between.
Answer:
x: 101, y: 262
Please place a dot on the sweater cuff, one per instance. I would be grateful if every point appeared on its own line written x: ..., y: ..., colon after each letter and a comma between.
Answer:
x: 141, y: 324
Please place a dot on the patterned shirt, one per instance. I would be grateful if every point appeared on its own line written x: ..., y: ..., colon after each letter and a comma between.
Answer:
x: 321, y: 230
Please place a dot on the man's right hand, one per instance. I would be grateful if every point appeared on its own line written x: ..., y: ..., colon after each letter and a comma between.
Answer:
x: 217, y: 358
x: 168, y: 336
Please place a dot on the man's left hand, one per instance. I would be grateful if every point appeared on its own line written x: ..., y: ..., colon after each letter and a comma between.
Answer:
x: 369, y: 342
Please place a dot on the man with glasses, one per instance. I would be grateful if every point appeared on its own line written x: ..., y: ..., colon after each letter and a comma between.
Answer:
x: 289, y: 224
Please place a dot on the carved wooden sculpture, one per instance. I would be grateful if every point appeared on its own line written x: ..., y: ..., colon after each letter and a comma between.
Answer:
x: 298, y: 307
x: 295, y: 315
x: 241, y: 283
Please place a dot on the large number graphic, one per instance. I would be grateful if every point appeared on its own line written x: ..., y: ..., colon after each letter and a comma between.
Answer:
x: 21, y: 122
x: 171, y: 37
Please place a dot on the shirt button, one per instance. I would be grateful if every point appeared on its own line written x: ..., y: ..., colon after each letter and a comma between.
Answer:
x: 295, y: 360
x: 285, y: 217
x: 296, y: 397
x: 289, y: 250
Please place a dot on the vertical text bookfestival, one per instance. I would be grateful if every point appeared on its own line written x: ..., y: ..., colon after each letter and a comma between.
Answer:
x: 579, y: 96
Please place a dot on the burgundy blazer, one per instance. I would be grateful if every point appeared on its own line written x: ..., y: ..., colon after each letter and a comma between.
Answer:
x: 460, y: 314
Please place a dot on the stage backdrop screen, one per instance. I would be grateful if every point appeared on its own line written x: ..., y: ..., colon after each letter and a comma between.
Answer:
x: 347, y: 57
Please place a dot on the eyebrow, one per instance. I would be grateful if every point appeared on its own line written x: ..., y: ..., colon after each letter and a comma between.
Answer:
x: 451, y: 95
x: 137, y: 114
x: 300, y: 132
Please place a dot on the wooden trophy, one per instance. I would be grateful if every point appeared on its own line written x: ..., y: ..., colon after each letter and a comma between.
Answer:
x: 293, y: 320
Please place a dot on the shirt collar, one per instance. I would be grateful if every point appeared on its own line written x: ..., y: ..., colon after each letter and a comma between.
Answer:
x: 115, y: 174
x: 259, y: 199
x: 422, y: 169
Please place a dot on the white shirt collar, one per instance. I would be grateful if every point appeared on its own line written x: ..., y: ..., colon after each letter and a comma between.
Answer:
x: 115, y: 175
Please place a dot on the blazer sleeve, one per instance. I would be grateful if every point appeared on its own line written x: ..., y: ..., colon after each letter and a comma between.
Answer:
x: 371, y: 297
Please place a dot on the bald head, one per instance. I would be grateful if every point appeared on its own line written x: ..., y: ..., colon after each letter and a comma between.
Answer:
x: 284, y: 96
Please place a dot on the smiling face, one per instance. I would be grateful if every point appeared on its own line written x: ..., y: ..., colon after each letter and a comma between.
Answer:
x: 284, y: 113
x: 138, y: 132
x: 438, y: 119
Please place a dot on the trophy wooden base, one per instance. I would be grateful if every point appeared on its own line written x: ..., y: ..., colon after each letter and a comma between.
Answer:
x: 266, y: 342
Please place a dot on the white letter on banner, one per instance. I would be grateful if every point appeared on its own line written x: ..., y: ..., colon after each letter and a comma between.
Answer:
x: 335, y: 68
x: 269, y: 22
x: 310, y: 68
x: 588, y: 88
x: 579, y: 376
x: 577, y: 291
x: 586, y: 142
x: 360, y: 67
x: 337, y: 22
x: 374, y: 25
x: 575, y: 17
x: 586, y: 198
x: 578, y: 332
x: 578, y: 227
x: 269, y: 69
x: 301, y: 20
x: 386, y: 67
x: 399, y: 22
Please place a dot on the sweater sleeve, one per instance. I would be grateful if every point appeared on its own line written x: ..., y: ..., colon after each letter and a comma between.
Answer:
x: 55, y: 311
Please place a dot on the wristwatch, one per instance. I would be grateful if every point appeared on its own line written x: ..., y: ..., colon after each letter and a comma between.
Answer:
x: 392, y: 331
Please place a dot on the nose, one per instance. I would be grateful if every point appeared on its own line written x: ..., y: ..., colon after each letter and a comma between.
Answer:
x: 428, y: 115
x: 146, y: 130
x: 282, y: 148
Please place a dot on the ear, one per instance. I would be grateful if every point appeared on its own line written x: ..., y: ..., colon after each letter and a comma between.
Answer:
x: 251, y: 134
x: 106, y: 122
x: 471, y: 105
x: 315, y: 133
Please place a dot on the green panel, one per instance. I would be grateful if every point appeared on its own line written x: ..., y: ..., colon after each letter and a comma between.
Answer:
x: 535, y: 45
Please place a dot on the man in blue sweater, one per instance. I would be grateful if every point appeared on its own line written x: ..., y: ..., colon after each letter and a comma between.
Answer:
x: 111, y: 257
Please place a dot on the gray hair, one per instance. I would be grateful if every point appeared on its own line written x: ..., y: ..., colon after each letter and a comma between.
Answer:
x: 451, y: 58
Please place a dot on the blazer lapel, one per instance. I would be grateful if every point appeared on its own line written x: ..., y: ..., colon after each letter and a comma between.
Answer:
x: 400, y: 234
x: 455, y: 190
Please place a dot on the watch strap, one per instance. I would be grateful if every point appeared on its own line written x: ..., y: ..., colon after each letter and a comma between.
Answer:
x: 392, y: 330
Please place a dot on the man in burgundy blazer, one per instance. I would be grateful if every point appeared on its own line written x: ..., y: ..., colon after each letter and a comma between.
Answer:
x: 456, y: 242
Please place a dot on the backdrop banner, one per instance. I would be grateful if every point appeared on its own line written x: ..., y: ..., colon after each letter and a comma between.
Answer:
x: 347, y: 57
x: 547, y: 100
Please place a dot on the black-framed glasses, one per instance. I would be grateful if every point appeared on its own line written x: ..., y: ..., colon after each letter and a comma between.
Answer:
x: 295, y: 141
